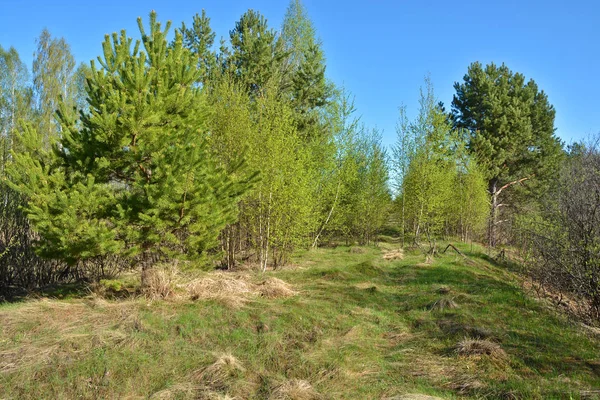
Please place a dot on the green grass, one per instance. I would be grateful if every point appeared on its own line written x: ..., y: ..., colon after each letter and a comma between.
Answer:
x: 360, y: 328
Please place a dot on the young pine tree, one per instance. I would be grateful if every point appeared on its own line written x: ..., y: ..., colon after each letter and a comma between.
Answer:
x: 135, y: 176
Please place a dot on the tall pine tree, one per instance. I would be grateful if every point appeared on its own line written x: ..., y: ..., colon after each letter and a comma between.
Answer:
x: 511, y: 129
x: 135, y: 178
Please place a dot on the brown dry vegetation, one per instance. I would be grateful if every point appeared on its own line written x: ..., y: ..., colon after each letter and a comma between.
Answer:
x: 339, y: 325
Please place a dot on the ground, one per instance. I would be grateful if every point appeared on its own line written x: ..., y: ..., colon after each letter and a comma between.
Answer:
x: 343, y: 323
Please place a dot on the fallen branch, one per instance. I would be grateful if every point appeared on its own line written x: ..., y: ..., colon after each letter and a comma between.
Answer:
x: 450, y: 245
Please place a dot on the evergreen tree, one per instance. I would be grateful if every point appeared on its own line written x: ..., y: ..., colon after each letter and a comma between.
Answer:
x: 199, y: 39
x: 305, y: 63
x: 256, y: 55
x: 511, y: 129
x: 136, y: 177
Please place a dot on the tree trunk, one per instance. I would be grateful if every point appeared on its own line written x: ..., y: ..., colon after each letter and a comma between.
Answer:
x: 314, y: 245
x: 493, y: 212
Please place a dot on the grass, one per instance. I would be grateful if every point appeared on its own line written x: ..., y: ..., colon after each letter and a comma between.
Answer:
x: 338, y: 324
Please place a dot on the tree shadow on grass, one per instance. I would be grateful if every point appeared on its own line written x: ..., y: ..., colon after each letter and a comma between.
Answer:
x: 63, y: 291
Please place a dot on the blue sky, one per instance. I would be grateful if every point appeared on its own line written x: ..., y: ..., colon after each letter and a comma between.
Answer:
x: 379, y: 50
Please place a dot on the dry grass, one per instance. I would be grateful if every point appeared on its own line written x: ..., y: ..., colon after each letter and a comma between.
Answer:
x: 424, y: 366
x: 189, y: 391
x: 479, y: 347
x: 397, y: 254
x: 413, y: 396
x: 274, y: 288
x: 453, y: 328
x: 370, y: 286
x: 465, y: 385
x: 232, y: 289
x: 229, y: 289
x: 160, y: 282
x: 295, y: 389
x: 178, y: 391
x: 57, y: 330
x: 221, y: 374
x: 236, y: 290
x: 443, y: 290
x: 396, y: 338
x: 445, y: 303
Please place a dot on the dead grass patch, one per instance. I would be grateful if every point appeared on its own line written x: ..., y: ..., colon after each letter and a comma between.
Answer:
x: 366, y: 314
x: 465, y: 385
x: 443, y: 290
x: 445, y: 303
x: 397, y: 254
x: 479, y: 347
x: 413, y: 396
x: 220, y: 375
x: 420, y: 364
x: 51, y: 330
x: 160, y: 282
x: 223, y: 287
x: 177, y: 391
x: 368, y: 286
x: 236, y: 289
x: 454, y: 328
x: 274, y: 288
x: 295, y: 389
x: 396, y: 338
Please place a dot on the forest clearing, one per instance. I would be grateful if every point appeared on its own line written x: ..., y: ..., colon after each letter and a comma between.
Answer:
x: 343, y: 323
x: 184, y: 217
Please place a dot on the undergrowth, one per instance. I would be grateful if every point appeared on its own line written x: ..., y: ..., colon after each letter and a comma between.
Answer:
x: 336, y: 324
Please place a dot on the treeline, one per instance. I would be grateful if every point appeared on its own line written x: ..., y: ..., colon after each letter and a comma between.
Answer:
x: 441, y: 189
x: 561, y: 244
x: 492, y: 170
x: 242, y: 152
x: 172, y: 149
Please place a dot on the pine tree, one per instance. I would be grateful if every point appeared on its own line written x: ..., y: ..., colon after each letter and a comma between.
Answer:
x: 257, y: 54
x: 511, y: 129
x: 305, y: 63
x: 136, y: 177
x: 199, y: 39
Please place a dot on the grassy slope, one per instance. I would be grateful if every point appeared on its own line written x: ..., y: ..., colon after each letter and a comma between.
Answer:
x: 360, y: 329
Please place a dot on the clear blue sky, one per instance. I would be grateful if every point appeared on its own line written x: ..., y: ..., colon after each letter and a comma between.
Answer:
x: 379, y: 50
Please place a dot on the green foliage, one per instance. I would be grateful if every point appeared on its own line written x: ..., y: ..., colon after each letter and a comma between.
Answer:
x: 16, y: 98
x: 440, y: 187
x: 279, y: 209
x: 510, y: 122
x: 257, y: 54
x: 368, y: 197
x: 355, y: 313
x: 305, y: 63
x: 137, y: 177
x: 470, y: 204
x: 199, y: 39
x: 53, y: 68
